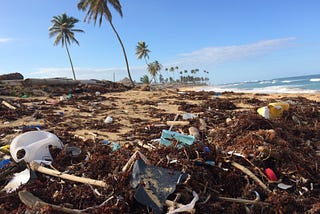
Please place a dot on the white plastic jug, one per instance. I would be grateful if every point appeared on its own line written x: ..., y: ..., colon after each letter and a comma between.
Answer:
x: 34, y: 145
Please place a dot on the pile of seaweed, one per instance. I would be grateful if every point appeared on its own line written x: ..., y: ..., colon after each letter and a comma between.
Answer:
x: 240, y: 162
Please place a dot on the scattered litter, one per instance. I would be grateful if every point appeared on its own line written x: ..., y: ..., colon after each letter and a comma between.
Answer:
x: 114, y: 146
x: 108, y: 120
x: 5, y: 103
x: 188, y: 207
x: 187, y: 116
x: 271, y: 175
x: 182, y: 139
x: 34, y: 145
x: 273, y: 110
x: 18, y: 180
x: 4, y: 162
x: 284, y: 186
x: 193, y: 131
x: 158, y: 184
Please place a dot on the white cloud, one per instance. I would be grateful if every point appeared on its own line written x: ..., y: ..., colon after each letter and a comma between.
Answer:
x: 88, y: 73
x: 4, y: 40
x: 216, y: 55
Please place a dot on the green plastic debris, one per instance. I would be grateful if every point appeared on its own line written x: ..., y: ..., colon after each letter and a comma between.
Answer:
x: 69, y: 96
x: 168, y: 135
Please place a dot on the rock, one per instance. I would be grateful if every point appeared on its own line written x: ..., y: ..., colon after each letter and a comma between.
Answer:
x: 194, y: 132
x: 11, y: 76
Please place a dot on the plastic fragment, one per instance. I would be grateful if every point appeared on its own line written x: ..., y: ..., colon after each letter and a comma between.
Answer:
x: 188, y: 207
x: 108, y: 120
x: 284, y: 186
x: 181, y: 138
x: 271, y: 175
x: 18, y: 180
x: 4, y: 162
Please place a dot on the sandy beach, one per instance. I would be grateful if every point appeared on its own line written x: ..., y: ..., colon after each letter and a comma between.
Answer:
x: 228, y: 126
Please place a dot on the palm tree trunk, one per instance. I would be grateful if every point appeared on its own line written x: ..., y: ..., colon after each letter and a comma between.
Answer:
x: 74, y: 75
x: 123, y: 50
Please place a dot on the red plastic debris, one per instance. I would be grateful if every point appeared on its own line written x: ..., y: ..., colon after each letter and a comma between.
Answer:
x: 271, y: 175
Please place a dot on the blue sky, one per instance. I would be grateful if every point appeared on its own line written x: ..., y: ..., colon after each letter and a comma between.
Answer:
x: 235, y: 40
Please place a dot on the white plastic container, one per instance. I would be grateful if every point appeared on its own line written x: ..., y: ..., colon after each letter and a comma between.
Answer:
x: 34, y: 145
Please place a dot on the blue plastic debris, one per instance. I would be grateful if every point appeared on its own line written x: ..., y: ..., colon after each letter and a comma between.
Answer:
x: 167, y: 136
x: 32, y: 127
x: 114, y: 146
x: 4, y: 162
x: 206, y: 149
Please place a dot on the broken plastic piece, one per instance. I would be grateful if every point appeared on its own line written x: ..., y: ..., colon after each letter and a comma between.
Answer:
x: 4, y: 162
x: 18, y: 180
x: 34, y: 145
x: 181, y: 138
x: 271, y: 175
x: 284, y: 186
x: 188, y: 207
x: 158, y: 184
x: 187, y: 116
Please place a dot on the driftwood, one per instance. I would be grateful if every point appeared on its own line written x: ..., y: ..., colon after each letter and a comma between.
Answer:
x: 251, y: 175
x: 178, y: 123
x: 8, y: 105
x: 37, y: 167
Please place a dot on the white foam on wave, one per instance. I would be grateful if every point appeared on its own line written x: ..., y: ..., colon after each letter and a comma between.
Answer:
x: 265, y: 90
x: 315, y: 80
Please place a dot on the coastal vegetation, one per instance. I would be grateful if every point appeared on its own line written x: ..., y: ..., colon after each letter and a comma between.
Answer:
x: 63, y: 29
x: 99, y: 9
x: 154, y: 68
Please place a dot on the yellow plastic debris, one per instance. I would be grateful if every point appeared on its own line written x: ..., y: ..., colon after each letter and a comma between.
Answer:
x: 273, y: 110
x: 5, y: 149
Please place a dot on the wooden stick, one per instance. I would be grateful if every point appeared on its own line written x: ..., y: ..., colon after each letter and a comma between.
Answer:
x: 178, y: 123
x: 244, y: 201
x: 8, y: 105
x: 133, y: 158
x: 174, y: 120
x: 37, y: 167
x: 251, y: 175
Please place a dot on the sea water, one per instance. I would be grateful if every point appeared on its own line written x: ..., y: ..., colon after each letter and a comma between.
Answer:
x: 298, y: 84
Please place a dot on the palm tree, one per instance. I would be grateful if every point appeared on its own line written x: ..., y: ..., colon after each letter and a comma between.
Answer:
x: 145, y: 79
x: 154, y: 69
x: 63, y: 29
x: 172, y: 70
x: 99, y: 9
x: 142, y: 51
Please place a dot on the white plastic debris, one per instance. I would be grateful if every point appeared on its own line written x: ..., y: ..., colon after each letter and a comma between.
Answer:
x: 108, y: 120
x: 284, y: 186
x: 188, y: 207
x: 187, y: 116
x: 34, y: 145
x: 18, y: 180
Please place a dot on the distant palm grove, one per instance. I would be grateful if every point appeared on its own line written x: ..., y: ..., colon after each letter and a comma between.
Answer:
x: 64, y: 30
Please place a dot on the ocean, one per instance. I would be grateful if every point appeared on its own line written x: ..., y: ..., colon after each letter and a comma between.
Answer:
x: 298, y: 84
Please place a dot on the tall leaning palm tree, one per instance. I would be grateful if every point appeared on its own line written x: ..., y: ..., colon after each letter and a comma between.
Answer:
x: 142, y: 51
x: 97, y: 9
x: 63, y: 29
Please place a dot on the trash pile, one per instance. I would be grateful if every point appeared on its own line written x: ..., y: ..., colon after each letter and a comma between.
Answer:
x: 210, y: 157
